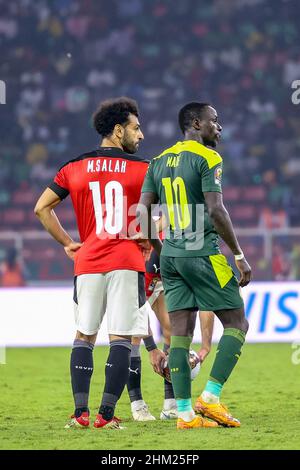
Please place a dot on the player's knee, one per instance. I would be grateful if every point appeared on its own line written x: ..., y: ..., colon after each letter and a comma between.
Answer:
x: 240, y: 323
x: 233, y: 319
x: 183, y: 323
x: 179, y: 328
x: 89, y: 338
x: 243, y: 322
x: 245, y: 325
x: 136, y: 341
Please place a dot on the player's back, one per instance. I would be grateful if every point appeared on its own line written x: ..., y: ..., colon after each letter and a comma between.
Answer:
x: 104, y: 186
x: 180, y: 176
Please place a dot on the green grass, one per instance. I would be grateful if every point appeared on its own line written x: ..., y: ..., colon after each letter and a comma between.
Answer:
x: 35, y: 399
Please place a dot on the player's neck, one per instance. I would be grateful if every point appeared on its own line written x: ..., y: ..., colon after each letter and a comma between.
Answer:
x: 109, y: 142
x: 193, y: 135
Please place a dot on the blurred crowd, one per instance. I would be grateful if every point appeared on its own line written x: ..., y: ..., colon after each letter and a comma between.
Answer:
x: 59, y: 58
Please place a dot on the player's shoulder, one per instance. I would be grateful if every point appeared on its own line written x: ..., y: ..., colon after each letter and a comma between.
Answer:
x: 109, y: 152
x: 210, y: 156
x: 116, y: 152
x: 207, y: 154
x: 136, y: 158
x: 91, y: 154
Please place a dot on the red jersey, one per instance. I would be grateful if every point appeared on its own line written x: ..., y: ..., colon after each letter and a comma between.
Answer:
x: 105, y: 186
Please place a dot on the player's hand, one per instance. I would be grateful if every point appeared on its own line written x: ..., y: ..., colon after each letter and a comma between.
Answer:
x: 144, y: 245
x: 138, y: 236
x: 146, y: 248
x: 146, y: 254
x: 157, y: 358
x: 245, y: 270
x: 141, y: 240
x: 203, y: 353
x: 71, y: 249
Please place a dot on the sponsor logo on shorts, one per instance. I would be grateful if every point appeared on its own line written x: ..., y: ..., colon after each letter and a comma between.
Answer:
x: 157, y: 269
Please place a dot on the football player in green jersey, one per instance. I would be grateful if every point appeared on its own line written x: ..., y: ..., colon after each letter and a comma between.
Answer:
x: 186, y: 180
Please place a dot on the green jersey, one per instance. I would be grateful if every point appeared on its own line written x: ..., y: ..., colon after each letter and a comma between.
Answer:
x: 180, y: 176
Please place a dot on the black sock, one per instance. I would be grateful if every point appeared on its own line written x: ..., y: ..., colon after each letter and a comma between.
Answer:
x: 134, y: 379
x: 169, y: 393
x: 116, y: 376
x: 81, y: 368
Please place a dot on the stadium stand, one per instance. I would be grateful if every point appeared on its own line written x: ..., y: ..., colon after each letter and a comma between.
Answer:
x: 163, y: 54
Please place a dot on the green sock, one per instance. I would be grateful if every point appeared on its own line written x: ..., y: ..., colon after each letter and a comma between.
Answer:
x: 180, y: 367
x: 227, y: 355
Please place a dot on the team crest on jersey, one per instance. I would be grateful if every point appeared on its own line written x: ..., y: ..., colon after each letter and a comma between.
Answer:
x: 218, y: 175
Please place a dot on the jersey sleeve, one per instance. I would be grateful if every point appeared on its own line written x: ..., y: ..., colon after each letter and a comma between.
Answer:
x: 149, y: 184
x: 212, y: 178
x: 60, y: 183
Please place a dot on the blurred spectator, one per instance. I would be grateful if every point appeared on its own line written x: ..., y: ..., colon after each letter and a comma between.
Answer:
x: 273, y: 217
x: 11, y: 272
x: 280, y: 263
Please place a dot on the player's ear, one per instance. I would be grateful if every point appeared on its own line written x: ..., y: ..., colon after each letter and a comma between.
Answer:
x: 197, y: 124
x: 119, y: 131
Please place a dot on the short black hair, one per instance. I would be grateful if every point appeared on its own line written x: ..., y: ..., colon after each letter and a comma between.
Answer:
x: 189, y: 112
x: 112, y: 112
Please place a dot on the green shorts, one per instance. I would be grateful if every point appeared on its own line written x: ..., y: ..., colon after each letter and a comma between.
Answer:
x: 204, y: 283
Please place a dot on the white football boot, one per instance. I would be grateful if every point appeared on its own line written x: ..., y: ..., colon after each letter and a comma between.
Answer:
x: 140, y: 411
x: 169, y: 410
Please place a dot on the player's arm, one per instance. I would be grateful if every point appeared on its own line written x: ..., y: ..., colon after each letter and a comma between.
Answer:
x: 207, y: 327
x: 161, y: 223
x: 223, y: 225
x: 44, y: 211
x: 156, y: 356
x: 149, y: 198
x: 144, y: 216
x: 145, y: 245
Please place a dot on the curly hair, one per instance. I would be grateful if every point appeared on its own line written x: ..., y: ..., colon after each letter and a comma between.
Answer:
x: 112, y: 112
x: 188, y: 113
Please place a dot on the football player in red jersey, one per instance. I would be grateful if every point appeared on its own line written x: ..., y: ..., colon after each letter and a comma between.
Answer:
x: 108, y: 266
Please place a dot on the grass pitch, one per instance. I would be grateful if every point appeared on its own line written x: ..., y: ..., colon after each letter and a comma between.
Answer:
x: 35, y: 398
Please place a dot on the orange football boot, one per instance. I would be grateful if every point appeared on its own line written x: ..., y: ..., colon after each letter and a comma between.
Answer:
x: 217, y: 412
x: 197, y: 422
